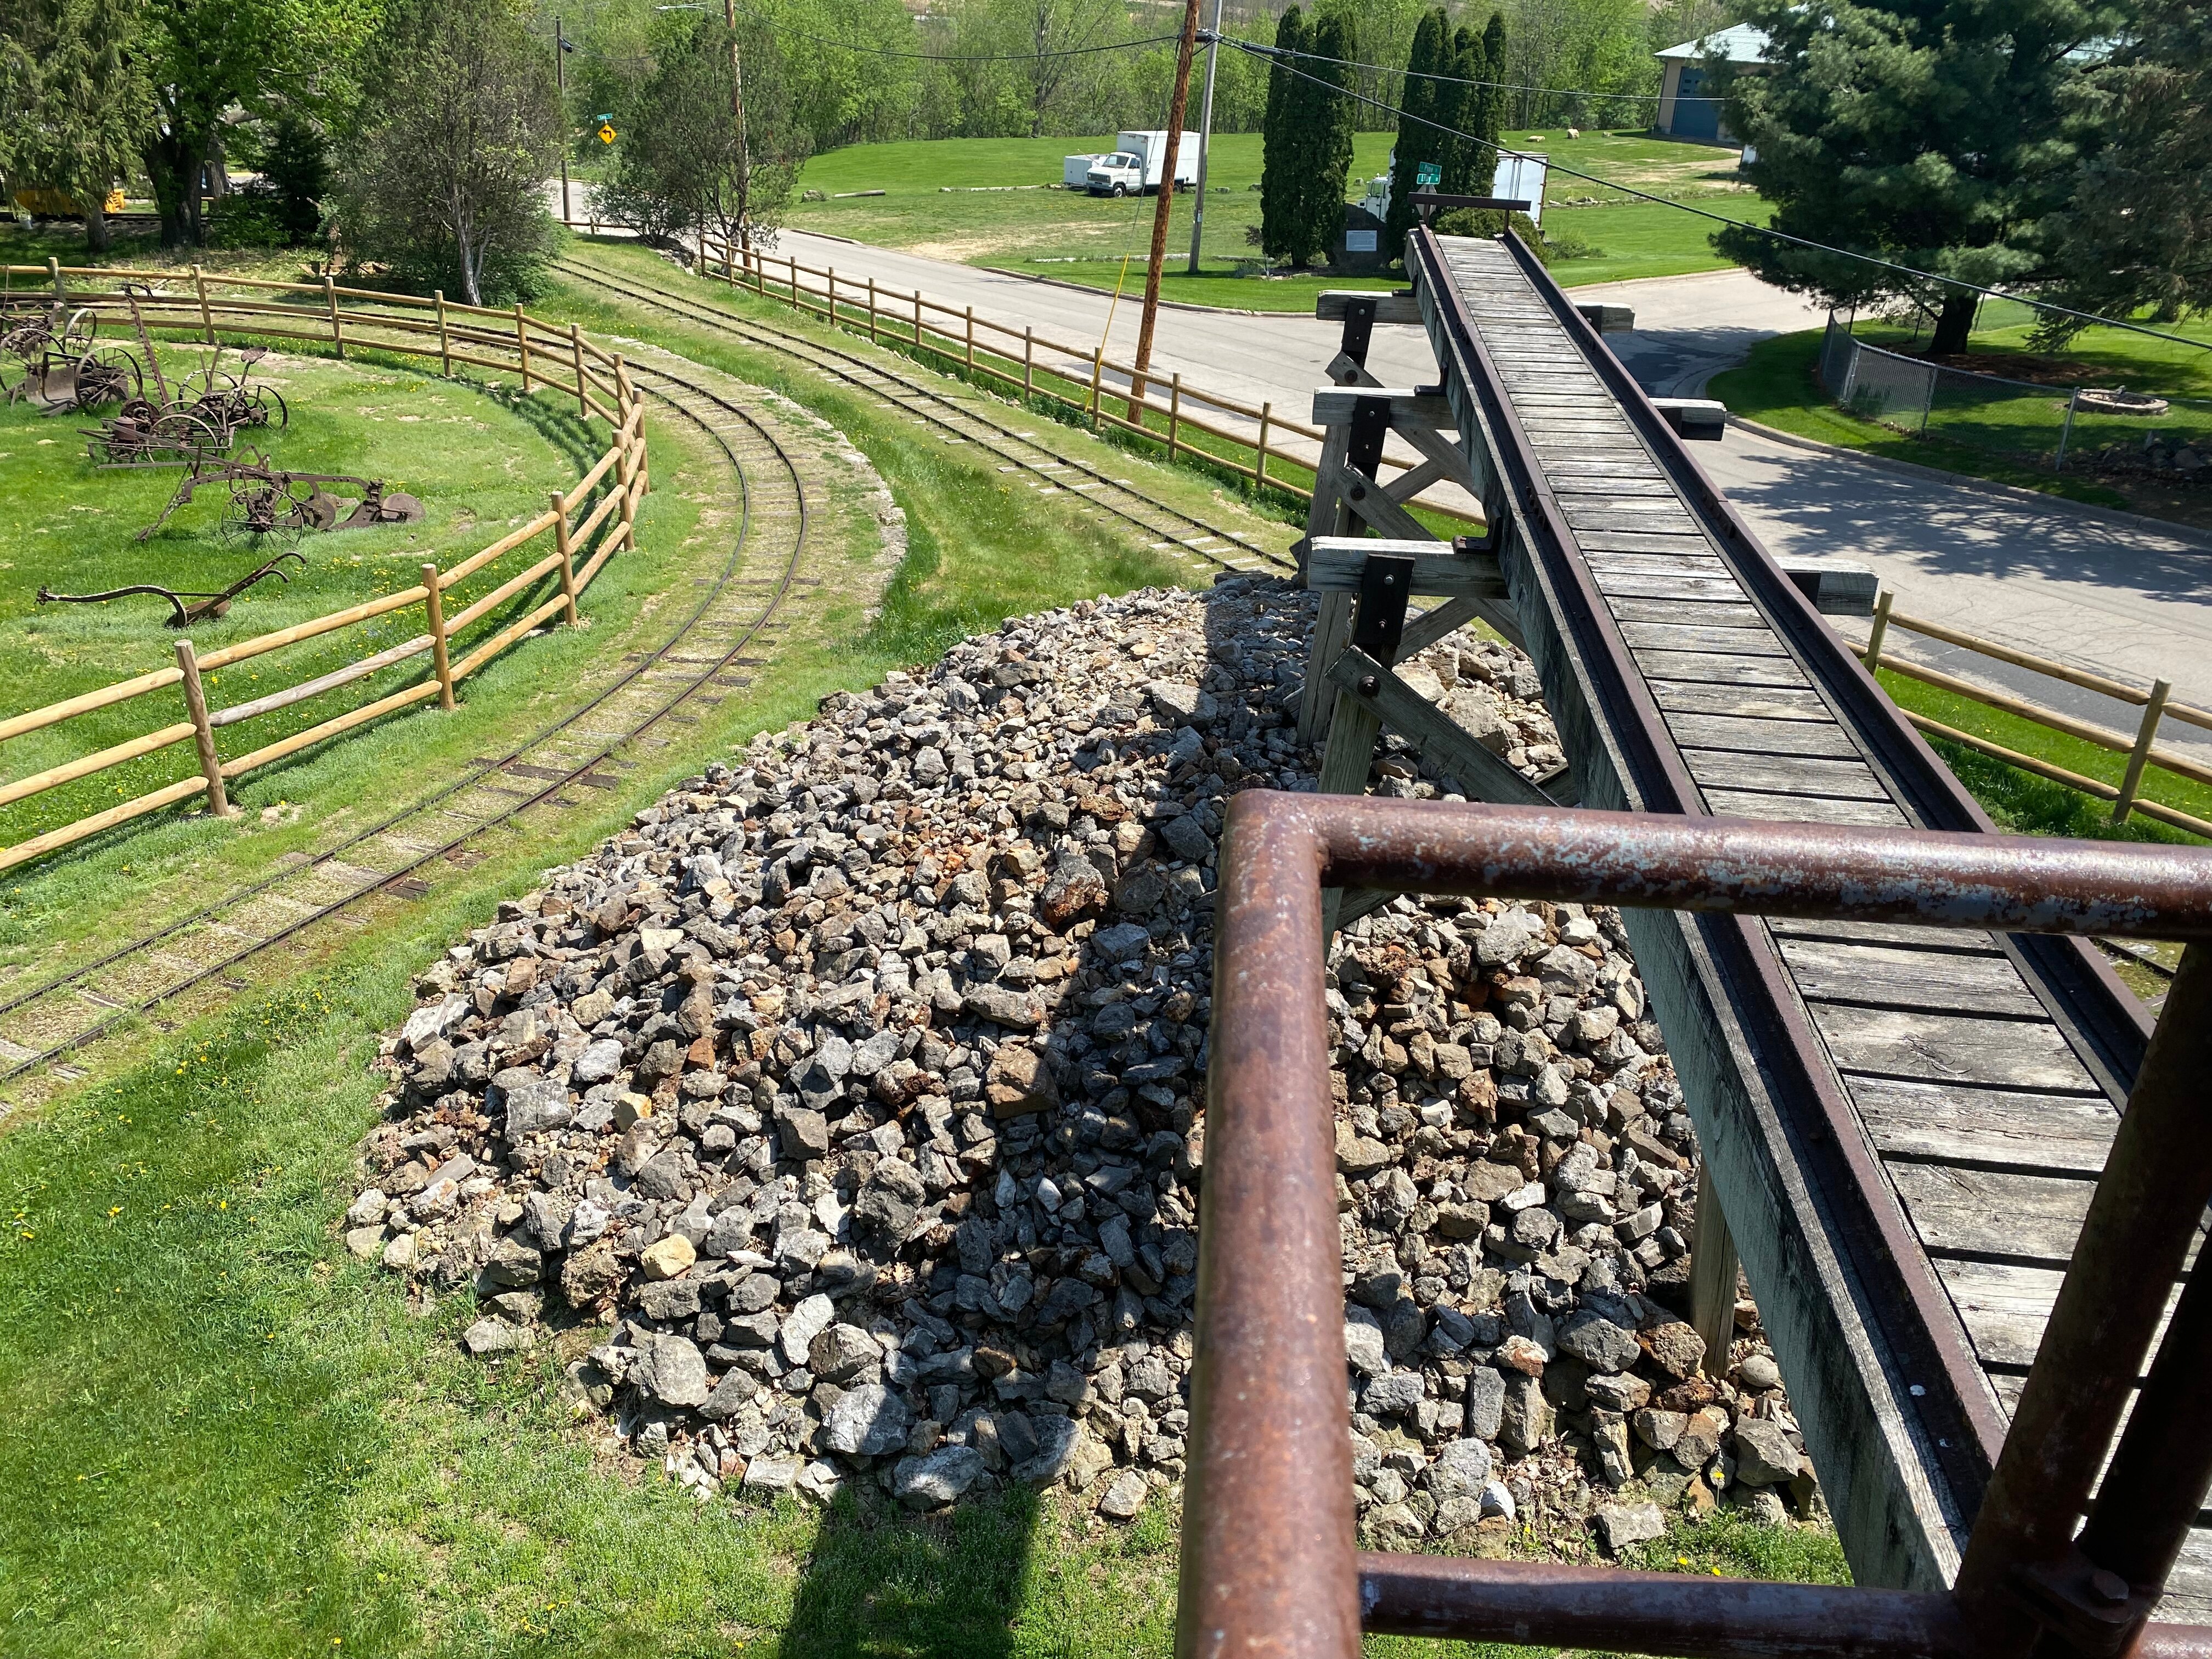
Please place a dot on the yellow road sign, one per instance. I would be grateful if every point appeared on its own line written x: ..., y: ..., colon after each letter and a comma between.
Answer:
x: 607, y: 132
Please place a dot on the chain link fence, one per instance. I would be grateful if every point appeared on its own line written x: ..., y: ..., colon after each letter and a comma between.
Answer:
x: 2050, y: 428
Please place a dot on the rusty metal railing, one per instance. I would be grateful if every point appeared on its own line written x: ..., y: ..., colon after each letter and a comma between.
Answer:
x: 1270, y: 1564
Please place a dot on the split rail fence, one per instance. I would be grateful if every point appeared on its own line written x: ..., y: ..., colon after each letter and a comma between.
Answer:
x: 539, y: 352
x: 2141, y: 748
x: 1164, y: 409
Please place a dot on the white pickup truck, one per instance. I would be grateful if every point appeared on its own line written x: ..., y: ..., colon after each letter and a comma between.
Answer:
x: 1135, y: 167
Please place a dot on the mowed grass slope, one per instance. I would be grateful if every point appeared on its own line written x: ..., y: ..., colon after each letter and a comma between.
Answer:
x: 956, y: 199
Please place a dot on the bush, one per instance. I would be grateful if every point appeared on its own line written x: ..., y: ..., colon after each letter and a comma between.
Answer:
x: 251, y: 216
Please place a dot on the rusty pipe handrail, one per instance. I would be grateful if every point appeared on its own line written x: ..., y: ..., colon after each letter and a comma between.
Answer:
x: 1269, y: 1563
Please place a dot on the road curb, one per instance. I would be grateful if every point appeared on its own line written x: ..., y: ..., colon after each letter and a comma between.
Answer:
x: 2186, y: 534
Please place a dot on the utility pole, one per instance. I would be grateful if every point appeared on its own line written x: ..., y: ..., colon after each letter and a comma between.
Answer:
x: 1205, y: 138
x: 1176, y: 106
x: 561, y: 51
x: 738, y: 114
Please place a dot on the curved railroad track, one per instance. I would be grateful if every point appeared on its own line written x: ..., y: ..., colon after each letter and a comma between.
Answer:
x: 66, y: 1013
x: 1019, y: 450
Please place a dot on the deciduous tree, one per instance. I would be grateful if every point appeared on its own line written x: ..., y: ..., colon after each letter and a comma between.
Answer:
x: 442, y: 175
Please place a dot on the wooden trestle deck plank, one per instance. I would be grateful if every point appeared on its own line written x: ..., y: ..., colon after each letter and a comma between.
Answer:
x: 1989, y: 1127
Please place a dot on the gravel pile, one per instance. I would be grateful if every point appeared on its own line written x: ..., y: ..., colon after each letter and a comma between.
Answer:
x: 848, y: 1104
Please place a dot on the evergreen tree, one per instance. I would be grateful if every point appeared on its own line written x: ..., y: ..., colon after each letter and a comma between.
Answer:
x: 1490, y: 107
x: 1418, y: 140
x: 1331, y: 123
x: 2138, y: 229
x: 1282, y: 141
x: 74, y: 101
x: 1930, y: 133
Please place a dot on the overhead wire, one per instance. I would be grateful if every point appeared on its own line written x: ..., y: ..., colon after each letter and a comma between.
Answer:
x: 1499, y: 85
x: 1277, y: 53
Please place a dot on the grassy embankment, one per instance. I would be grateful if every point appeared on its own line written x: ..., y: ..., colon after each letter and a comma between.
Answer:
x: 949, y: 198
x: 227, y: 1438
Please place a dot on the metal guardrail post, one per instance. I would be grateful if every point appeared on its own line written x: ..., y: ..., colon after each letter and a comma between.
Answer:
x: 445, y: 340
x: 2066, y: 432
x: 2131, y: 780
x: 1872, y: 655
x: 196, y: 709
x: 433, y: 606
x: 560, y: 506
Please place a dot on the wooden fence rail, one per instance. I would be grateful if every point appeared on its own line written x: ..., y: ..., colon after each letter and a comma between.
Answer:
x: 1030, y: 364
x: 537, y: 351
x: 2141, y: 746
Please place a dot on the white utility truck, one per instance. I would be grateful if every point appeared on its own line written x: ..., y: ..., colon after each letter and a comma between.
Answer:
x: 1135, y: 165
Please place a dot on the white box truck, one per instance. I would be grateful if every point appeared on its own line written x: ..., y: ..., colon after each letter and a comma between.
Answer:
x: 1135, y: 165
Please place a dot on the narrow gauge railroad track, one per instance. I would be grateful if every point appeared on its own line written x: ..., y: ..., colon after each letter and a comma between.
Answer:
x: 1021, y: 450
x: 43, y: 1023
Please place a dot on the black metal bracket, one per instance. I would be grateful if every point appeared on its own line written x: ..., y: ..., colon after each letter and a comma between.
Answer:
x: 1359, y: 329
x: 1426, y: 201
x: 2094, y: 1611
x: 1491, y: 542
x: 1371, y: 424
x: 1386, y: 582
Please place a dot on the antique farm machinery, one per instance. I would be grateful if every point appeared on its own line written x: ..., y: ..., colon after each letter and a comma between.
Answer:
x: 63, y: 371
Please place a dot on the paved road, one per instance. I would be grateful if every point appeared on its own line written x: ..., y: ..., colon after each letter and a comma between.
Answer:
x: 2126, y: 600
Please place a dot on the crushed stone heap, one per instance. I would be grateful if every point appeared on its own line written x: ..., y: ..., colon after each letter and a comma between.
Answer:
x: 853, y: 1096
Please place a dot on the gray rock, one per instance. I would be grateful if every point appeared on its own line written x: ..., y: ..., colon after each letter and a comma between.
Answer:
x: 932, y: 1482
x: 1484, y: 1407
x: 1598, y: 1342
x: 1619, y: 1525
x: 869, y: 1421
x: 808, y: 1321
x: 802, y: 1134
x: 487, y: 1337
x: 533, y: 1103
x: 675, y: 1373
x: 1125, y: 1499
x: 1393, y: 1396
x: 1364, y: 1345
x: 771, y: 1476
x: 599, y: 1063
x: 1764, y: 1455
x: 1119, y: 942
x: 1758, y: 1372
x: 1058, y: 1440
x: 1187, y: 839
x: 888, y: 1203
x: 1461, y: 1469
x: 840, y: 1352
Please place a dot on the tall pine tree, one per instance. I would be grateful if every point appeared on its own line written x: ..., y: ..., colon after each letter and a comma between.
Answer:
x: 1418, y: 140
x: 1930, y: 133
x: 1329, y: 114
x: 1283, y: 140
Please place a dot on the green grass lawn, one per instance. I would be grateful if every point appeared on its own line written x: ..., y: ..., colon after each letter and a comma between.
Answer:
x: 481, y: 459
x: 952, y: 199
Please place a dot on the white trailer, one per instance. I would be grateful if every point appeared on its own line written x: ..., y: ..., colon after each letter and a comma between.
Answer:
x: 1136, y: 165
x: 1075, y: 170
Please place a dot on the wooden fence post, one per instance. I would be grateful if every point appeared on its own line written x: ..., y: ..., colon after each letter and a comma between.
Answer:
x: 728, y: 277
x: 833, y: 296
x: 1873, y: 655
x: 970, y: 359
x: 203, y: 734
x: 1097, y: 370
x: 795, y: 303
x: 522, y: 344
x: 576, y: 353
x: 2131, y: 780
x: 1175, y: 412
x: 1028, y: 359
x: 560, y: 504
x: 54, y: 270
x: 445, y: 340
x: 1267, y: 416
x: 1713, y: 1268
x: 207, y: 316
x: 434, y: 603
x: 917, y: 319
x: 871, y: 311
x: 337, y: 329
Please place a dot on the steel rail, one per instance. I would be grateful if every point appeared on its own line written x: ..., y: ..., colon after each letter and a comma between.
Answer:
x: 1269, y: 1565
x: 859, y: 373
x: 471, y: 779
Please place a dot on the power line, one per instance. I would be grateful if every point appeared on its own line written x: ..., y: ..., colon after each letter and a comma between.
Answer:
x: 1499, y: 86
x: 963, y: 58
x: 1703, y: 213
